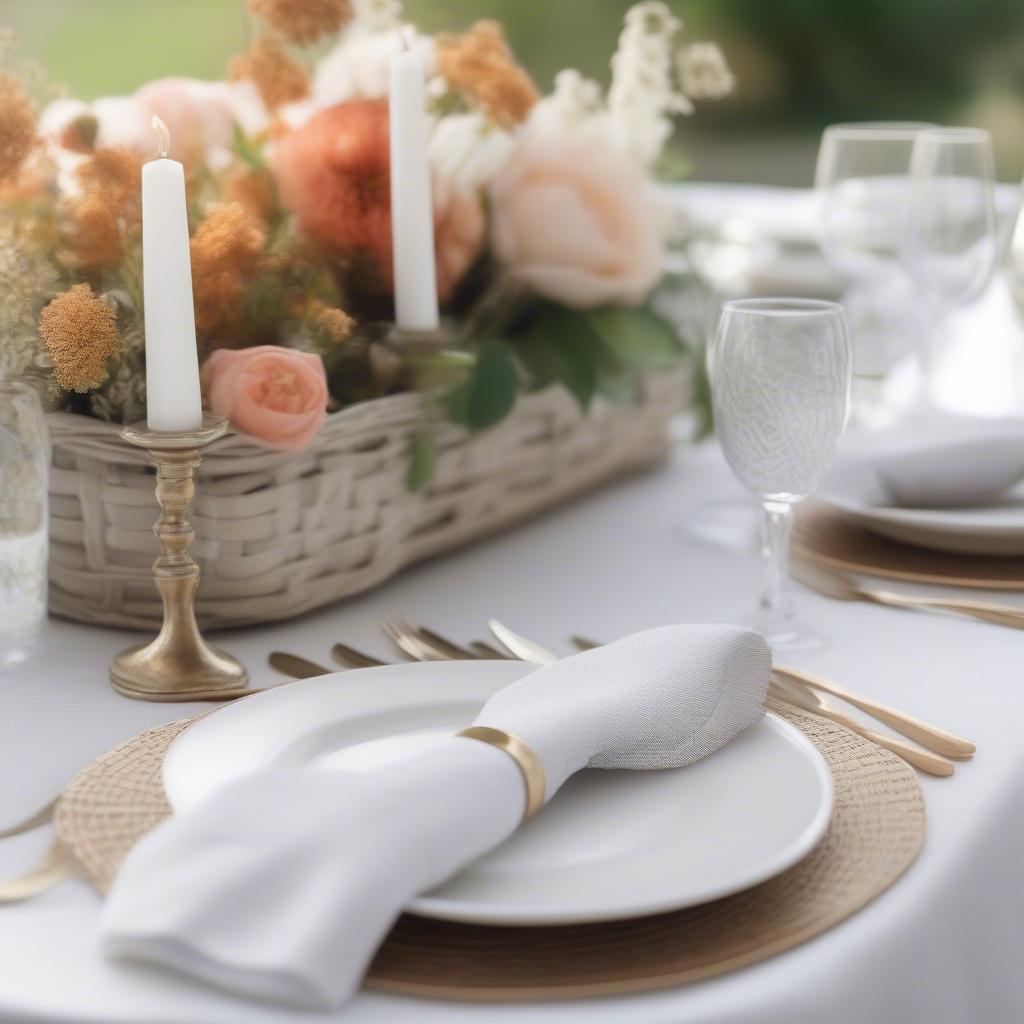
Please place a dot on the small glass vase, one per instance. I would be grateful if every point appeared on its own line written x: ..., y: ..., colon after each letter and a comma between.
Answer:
x: 24, y: 471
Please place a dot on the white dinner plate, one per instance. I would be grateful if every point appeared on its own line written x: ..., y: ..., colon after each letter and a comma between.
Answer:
x: 610, y: 844
x: 996, y: 528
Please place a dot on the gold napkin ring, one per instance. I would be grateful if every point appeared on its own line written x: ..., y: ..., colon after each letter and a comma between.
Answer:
x: 523, y: 755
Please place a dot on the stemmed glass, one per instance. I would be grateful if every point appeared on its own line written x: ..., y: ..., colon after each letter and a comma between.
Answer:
x: 780, y: 385
x: 863, y: 184
x: 950, y: 243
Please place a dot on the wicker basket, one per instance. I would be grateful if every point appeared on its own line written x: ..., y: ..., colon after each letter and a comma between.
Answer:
x: 278, y: 535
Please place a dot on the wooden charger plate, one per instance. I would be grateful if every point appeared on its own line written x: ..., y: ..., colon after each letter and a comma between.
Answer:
x: 876, y: 832
x: 825, y: 535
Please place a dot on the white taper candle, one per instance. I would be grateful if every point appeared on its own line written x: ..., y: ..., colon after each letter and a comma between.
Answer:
x: 173, y: 400
x: 412, y: 212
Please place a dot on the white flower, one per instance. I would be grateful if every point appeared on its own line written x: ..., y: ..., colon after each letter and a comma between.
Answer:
x: 643, y: 96
x: 468, y: 150
x: 574, y: 101
x: 704, y: 72
x: 359, y: 66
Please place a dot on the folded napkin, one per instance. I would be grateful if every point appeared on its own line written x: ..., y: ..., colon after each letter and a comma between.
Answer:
x: 282, y: 885
x: 940, y: 459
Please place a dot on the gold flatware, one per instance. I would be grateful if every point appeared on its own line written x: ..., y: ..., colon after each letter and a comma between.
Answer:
x: 794, y: 693
x: 522, y: 648
x: 840, y: 587
x: 56, y: 865
x: 293, y: 665
x: 931, y: 736
x: 40, y: 817
x: 349, y: 657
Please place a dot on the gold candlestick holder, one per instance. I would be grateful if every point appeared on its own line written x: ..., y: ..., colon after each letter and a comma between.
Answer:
x: 418, y: 344
x: 178, y: 665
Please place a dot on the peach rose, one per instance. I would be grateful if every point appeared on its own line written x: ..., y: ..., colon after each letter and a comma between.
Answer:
x: 575, y: 218
x: 277, y: 395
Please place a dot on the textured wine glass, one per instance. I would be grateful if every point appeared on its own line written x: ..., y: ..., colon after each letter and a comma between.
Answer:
x: 950, y: 242
x: 863, y: 185
x: 780, y: 384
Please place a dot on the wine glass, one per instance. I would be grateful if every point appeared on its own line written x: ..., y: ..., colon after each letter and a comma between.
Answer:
x: 780, y: 386
x: 950, y: 242
x: 863, y: 185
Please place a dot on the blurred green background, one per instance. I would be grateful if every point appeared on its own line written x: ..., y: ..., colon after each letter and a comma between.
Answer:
x: 801, y: 64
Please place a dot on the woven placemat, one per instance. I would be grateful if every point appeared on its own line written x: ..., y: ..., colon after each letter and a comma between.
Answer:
x: 876, y: 832
x: 824, y: 535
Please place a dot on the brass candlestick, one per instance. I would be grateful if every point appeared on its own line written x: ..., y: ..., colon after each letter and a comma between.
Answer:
x: 179, y: 665
x: 418, y: 344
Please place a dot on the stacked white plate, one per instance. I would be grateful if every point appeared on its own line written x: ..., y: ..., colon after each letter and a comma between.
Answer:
x: 611, y: 844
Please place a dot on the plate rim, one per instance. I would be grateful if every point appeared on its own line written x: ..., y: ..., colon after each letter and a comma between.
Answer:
x: 504, y: 914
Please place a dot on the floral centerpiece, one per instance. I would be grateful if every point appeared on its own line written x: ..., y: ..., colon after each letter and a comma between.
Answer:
x: 549, y: 233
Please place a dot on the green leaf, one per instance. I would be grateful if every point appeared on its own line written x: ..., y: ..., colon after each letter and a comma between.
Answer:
x: 619, y: 388
x: 422, y: 457
x: 489, y: 392
x: 245, y: 150
x: 563, y: 346
x: 636, y: 336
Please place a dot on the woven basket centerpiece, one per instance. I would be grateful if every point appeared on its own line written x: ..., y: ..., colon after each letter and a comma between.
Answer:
x: 279, y: 534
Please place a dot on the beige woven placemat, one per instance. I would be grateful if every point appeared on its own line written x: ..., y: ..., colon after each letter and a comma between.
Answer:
x: 876, y: 832
x: 823, y: 534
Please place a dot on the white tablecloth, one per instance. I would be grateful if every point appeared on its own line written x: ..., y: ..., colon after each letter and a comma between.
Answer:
x: 943, y: 945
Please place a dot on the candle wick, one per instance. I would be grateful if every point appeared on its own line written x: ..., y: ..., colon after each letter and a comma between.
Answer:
x: 163, y: 136
x: 403, y: 35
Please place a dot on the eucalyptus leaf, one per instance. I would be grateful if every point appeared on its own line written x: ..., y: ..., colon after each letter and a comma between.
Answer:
x: 636, y: 336
x: 489, y: 393
x: 422, y: 457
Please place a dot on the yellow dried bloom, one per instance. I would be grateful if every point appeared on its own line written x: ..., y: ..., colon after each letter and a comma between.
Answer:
x: 481, y: 65
x: 304, y: 21
x: 254, y: 190
x: 279, y: 78
x: 227, y: 252
x: 336, y: 324
x: 18, y: 128
x: 106, y: 214
x: 79, y: 331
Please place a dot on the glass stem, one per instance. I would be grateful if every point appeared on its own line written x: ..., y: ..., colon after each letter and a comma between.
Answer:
x: 777, y: 526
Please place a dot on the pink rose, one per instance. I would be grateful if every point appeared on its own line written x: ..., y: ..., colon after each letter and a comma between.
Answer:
x: 576, y: 219
x: 277, y: 395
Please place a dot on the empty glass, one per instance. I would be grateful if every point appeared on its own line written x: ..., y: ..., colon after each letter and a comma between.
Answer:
x: 863, y: 184
x: 780, y: 384
x: 24, y: 458
x: 950, y: 244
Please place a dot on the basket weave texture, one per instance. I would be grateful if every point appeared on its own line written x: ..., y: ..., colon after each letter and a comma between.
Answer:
x: 278, y: 535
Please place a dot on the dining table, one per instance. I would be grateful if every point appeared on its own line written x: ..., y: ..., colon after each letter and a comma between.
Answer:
x: 943, y: 944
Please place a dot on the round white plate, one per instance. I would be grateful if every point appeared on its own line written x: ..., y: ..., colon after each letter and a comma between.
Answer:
x: 994, y: 529
x: 610, y: 844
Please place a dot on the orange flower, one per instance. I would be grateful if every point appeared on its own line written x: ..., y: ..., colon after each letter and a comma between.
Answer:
x: 254, y: 190
x: 333, y: 175
x: 335, y: 324
x: 79, y: 331
x: 227, y: 251
x: 304, y: 21
x: 278, y: 77
x: 18, y: 128
x: 481, y: 65
x: 105, y: 216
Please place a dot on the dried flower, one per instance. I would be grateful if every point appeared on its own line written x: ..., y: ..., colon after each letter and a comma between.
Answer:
x: 335, y: 325
x: 254, y: 189
x: 105, y: 215
x: 18, y: 126
x: 304, y: 21
x: 227, y: 251
x: 279, y: 78
x: 79, y: 330
x: 26, y: 277
x: 481, y: 65
x: 704, y: 72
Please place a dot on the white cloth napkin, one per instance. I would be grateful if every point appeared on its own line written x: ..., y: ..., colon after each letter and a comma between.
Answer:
x: 283, y: 884
x: 941, y: 459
